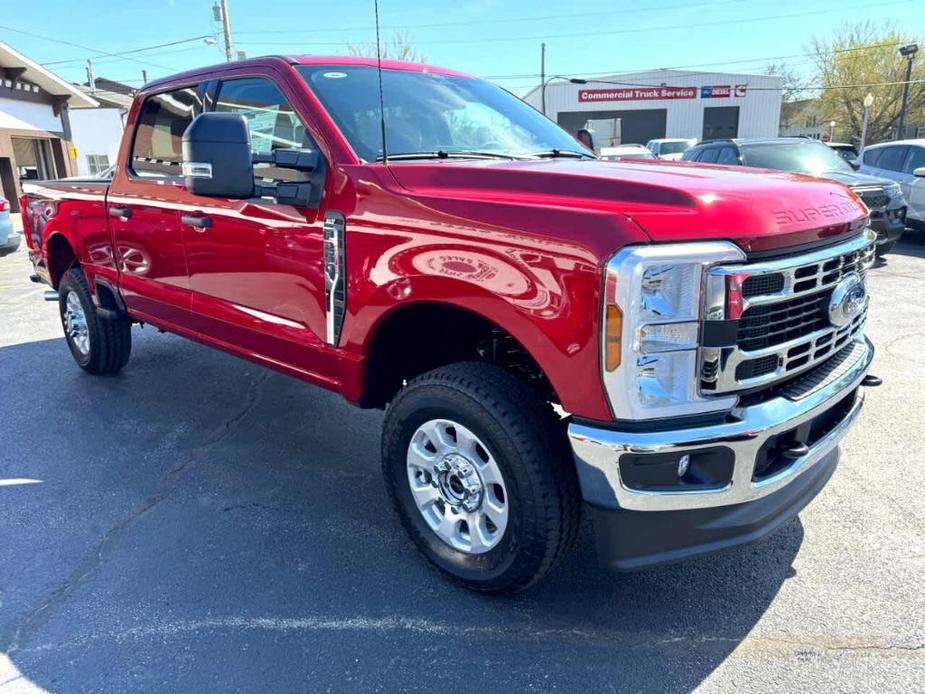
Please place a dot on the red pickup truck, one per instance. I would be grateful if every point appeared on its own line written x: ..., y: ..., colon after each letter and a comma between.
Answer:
x: 673, y: 349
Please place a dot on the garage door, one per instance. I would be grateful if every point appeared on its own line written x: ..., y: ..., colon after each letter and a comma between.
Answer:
x: 638, y: 126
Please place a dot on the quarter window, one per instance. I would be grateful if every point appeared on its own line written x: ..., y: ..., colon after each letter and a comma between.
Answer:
x: 914, y: 160
x: 164, y: 117
x: 271, y: 119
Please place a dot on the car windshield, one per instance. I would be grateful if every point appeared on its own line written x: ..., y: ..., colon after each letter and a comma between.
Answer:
x: 431, y: 114
x: 799, y: 157
x: 673, y: 147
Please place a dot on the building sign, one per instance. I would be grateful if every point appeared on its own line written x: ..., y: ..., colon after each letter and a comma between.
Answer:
x: 637, y: 94
x: 723, y: 91
x: 716, y: 91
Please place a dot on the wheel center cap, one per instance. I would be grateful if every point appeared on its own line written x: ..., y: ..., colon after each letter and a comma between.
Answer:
x: 459, y: 482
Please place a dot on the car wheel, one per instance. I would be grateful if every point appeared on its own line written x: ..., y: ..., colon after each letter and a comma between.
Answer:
x: 99, y: 345
x: 884, y: 248
x: 480, y: 472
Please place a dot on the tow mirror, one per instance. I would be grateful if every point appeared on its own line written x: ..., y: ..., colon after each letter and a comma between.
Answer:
x: 920, y: 172
x: 217, y: 156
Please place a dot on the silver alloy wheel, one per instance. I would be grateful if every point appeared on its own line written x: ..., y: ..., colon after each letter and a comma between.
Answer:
x: 75, y: 324
x: 457, y: 486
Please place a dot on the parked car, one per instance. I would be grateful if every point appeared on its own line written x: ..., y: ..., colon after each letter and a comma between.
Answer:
x: 9, y: 239
x: 676, y: 351
x: 670, y: 148
x: 846, y: 151
x: 625, y: 152
x: 902, y: 161
x: 802, y: 155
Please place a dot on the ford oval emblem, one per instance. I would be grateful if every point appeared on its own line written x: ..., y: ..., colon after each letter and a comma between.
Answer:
x: 848, y: 300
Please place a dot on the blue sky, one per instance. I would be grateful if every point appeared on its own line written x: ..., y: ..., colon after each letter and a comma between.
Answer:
x: 489, y: 38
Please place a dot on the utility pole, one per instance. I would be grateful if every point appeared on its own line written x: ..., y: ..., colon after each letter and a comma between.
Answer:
x: 226, y: 27
x: 90, y: 81
x: 543, y: 75
x: 908, y: 52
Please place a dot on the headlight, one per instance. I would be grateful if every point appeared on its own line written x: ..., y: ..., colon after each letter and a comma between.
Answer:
x: 651, y: 329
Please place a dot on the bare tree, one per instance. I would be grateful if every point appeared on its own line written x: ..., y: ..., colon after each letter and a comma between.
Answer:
x: 850, y: 63
x: 399, y: 47
x: 793, y: 83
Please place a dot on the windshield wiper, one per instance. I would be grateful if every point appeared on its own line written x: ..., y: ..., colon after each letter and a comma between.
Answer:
x: 561, y: 154
x: 448, y: 154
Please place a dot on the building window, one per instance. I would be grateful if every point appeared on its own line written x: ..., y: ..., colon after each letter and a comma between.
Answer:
x: 97, y: 163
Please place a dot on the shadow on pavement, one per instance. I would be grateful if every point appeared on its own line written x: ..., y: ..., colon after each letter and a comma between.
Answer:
x: 205, y: 524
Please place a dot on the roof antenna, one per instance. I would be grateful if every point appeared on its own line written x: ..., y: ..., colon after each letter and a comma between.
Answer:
x: 385, y: 153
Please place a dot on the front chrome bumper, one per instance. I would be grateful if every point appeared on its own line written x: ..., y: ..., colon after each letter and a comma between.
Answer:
x: 597, y: 451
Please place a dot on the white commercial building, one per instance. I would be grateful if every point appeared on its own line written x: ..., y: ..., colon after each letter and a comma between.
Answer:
x: 668, y: 103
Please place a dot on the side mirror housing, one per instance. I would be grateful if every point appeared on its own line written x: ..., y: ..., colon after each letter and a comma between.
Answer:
x: 920, y: 172
x: 217, y: 156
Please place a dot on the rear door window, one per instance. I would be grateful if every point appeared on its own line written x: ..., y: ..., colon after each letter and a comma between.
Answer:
x: 709, y: 155
x: 892, y: 158
x: 727, y: 155
x: 157, y: 151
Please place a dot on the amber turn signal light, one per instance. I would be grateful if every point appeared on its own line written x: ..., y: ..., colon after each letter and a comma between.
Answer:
x: 613, y: 336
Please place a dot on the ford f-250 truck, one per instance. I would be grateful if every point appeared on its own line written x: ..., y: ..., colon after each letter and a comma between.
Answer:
x: 674, y: 349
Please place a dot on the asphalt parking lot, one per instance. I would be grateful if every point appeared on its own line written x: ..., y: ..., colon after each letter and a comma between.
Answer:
x: 197, y: 523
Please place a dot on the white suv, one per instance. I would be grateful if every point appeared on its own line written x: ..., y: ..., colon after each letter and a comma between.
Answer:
x: 904, y: 162
x: 670, y: 148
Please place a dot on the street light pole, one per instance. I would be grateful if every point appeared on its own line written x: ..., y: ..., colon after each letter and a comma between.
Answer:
x: 908, y: 52
x: 868, y: 102
x: 571, y: 80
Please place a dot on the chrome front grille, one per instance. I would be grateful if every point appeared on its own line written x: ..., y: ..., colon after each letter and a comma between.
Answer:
x: 770, y: 320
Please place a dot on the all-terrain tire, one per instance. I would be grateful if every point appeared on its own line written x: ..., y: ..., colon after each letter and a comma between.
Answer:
x: 529, y: 444
x: 110, y: 339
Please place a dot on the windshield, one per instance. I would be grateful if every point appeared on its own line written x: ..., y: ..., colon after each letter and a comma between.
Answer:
x: 806, y: 156
x: 674, y: 147
x: 427, y: 112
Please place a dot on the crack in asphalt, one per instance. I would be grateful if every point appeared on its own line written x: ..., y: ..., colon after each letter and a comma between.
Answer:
x: 381, y: 625
x: 37, y: 617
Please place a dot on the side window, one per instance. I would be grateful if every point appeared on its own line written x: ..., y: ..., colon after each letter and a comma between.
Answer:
x: 727, y: 155
x: 914, y: 160
x: 892, y: 158
x: 872, y: 156
x: 692, y: 154
x: 156, y: 151
x: 709, y: 155
x: 272, y: 121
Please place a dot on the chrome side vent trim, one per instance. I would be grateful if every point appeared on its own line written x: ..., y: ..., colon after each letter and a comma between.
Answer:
x: 334, y: 275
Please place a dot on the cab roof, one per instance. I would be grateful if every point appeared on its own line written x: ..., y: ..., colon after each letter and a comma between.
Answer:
x: 212, y: 71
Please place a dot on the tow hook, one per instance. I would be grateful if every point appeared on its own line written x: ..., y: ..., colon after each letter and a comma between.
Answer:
x: 871, y: 381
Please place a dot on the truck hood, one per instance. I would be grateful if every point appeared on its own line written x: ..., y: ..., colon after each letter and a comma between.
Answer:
x: 762, y: 211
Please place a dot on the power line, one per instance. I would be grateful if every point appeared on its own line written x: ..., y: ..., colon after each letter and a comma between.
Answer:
x: 77, y: 45
x: 119, y: 55
x: 518, y: 20
x: 719, y: 62
x: 636, y: 30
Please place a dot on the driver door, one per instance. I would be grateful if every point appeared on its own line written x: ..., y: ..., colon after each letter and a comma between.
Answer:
x: 255, y: 266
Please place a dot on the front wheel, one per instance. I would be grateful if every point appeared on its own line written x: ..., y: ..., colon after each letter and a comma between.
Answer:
x: 99, y: 345
x: 480, y: 472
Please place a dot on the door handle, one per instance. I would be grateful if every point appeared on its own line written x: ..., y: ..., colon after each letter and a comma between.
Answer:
x: 120, y: 212
x: 197, y: 221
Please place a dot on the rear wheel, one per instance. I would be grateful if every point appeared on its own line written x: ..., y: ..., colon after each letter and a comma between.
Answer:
x: 480, y: 472
x: 99, y: 345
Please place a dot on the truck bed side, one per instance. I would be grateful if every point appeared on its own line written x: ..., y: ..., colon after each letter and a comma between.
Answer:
x: 65, y: 222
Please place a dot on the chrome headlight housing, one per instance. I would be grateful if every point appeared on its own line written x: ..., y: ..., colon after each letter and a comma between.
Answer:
x: 653, y: 298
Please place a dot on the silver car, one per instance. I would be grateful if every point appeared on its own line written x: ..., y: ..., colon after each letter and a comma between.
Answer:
x: 904, y: 162
x: 9, y: 239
